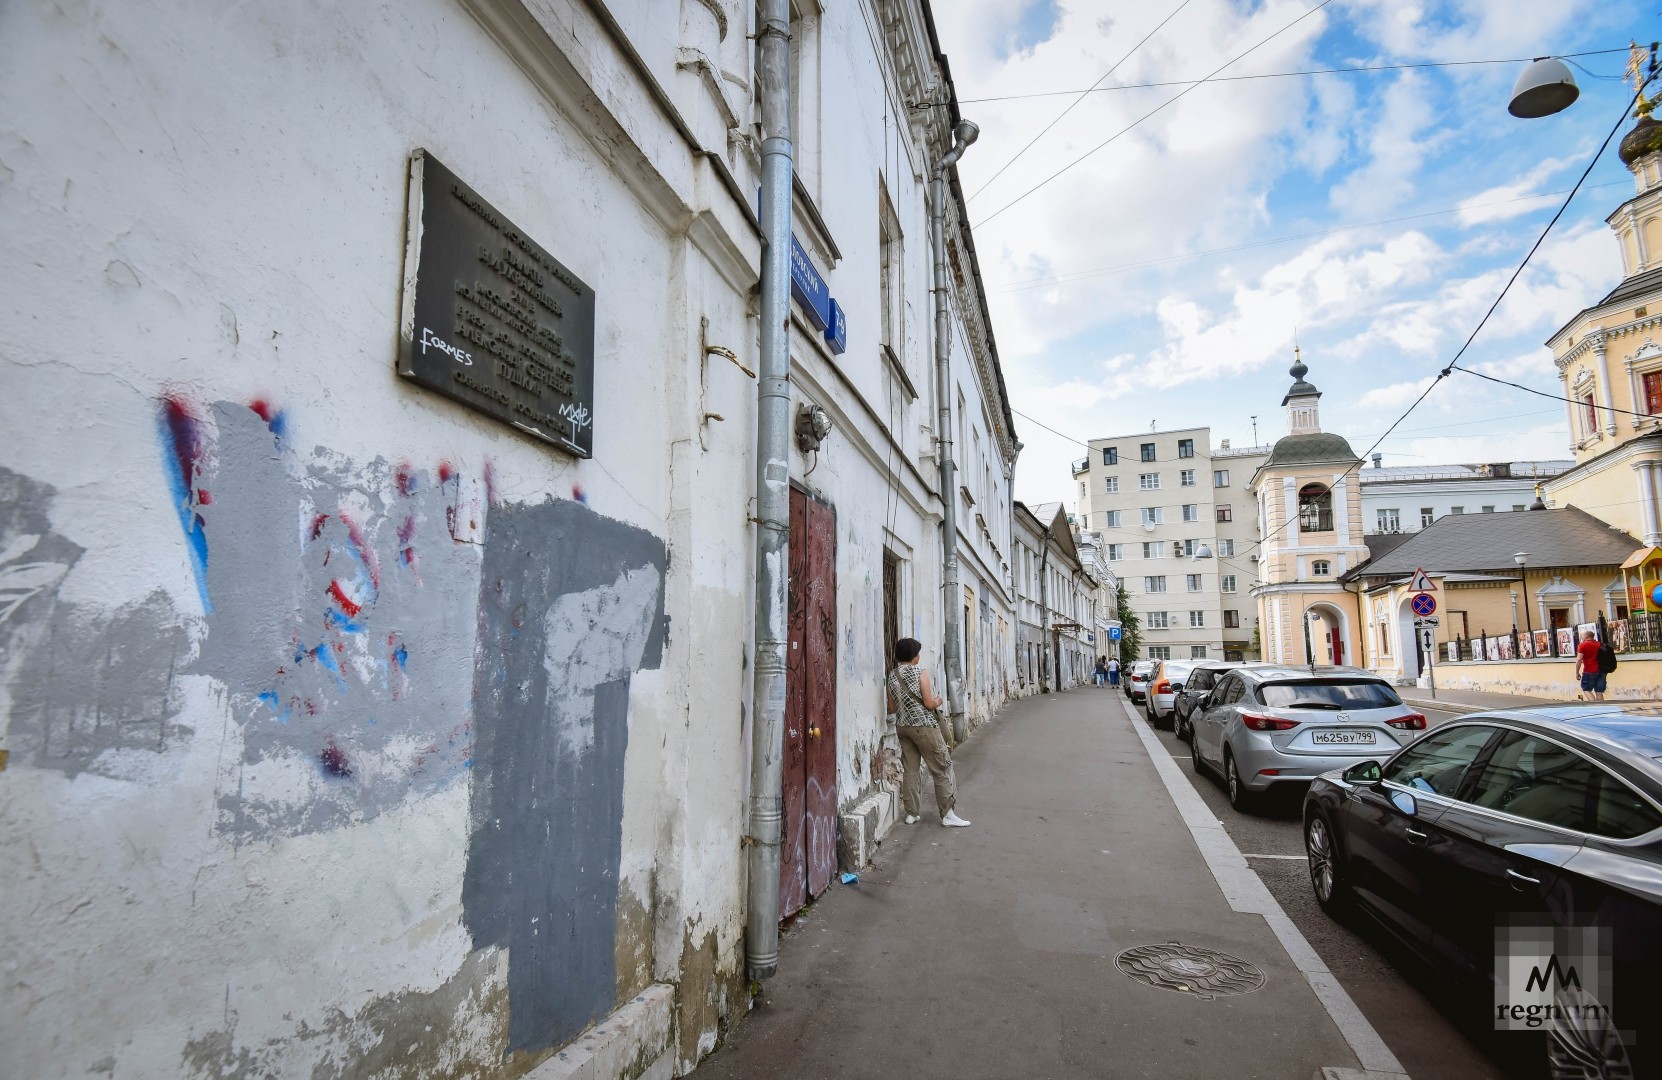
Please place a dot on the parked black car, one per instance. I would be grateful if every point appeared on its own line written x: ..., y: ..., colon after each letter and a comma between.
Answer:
x: 1193, y: 698
x: 1552, y: 815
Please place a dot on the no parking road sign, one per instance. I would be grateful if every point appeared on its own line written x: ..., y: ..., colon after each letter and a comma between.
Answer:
x: 1424, y: 604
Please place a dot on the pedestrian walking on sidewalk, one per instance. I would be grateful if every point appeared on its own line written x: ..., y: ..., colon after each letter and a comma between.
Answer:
x: 1101, y: 678
x: 1587, y: 666
x: 912, y: 699
x: 1113, y: 671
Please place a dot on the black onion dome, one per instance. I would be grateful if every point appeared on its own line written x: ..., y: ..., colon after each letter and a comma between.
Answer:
x: 1645, y: 138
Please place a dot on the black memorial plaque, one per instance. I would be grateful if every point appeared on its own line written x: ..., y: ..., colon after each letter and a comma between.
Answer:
x: 490, y: 318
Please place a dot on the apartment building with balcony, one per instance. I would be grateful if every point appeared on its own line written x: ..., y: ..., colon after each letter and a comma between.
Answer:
x: 1178, y: 528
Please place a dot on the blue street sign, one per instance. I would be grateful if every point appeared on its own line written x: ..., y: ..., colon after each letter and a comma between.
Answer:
x: 809, y: 288
x: 1113, y: 633
x: 836, y: 332
x: 1424, y: 603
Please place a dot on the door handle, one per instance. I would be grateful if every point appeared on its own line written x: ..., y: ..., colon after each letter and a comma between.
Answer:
x: 1415, y: 836
x: 813, y: 733
x: 1521, y: 881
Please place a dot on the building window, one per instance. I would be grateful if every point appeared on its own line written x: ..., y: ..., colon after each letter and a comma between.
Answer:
x: 1149, y: 481
x: 1110, y: 455
x: 1234, y: 656
x: 1082, y: 489
x: 1187, y: 478
x: 1389, y: 520
x: 1154, y: 549
x: 1158, y: 620
x: 1427, y: 516
x: 1517, y: 506
x: 1226, y: 548
x: 1148, y: 451
x: 1457, y: 509
x: 1153, y: 515
x: 1159, y: 652
x: 1154, y: 584
x: 1197, y: 652
x: 1592, y: 415
x: 1653, y: 392
x: 1220, y: 477
x: 1110, y: 519
x: 1116, y: 552
x: 1321, y: 568
x: 1110, y: 485
x: 1185, y: 448
x: 1188, y: 548
x: 1231, y: 619
x: 1195, y: 583
x: 1225, y: 513
x: 1191, y: 511
x: 1227, y: 583
x: 1315, y: 508
x: 1197, y: 618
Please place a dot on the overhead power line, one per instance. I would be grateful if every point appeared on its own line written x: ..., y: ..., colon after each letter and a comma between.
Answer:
x: 1174, y: 98
x: 1098, y: 88
x: 1555, y: 397
x: 1077, y: 100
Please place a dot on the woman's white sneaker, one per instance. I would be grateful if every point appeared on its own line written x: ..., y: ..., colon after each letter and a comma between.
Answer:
x: 953, y: 821
x: 911, y: 819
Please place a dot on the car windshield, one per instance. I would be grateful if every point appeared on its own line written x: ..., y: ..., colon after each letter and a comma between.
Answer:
x: 1360, y: 694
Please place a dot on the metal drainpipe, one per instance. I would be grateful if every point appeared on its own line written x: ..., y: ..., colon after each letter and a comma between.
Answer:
x: 952, y: 646
x: 1049, y: 654
x: 767, y: 730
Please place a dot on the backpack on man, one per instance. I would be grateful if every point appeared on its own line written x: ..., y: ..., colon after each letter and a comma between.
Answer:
x: 1607, y: 658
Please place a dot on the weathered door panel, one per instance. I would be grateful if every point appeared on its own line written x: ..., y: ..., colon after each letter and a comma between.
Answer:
x: 793, y: 877
x: 819, y: 538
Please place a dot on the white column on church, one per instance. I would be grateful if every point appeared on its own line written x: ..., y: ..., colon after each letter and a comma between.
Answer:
x: 1601, y: 358
x: 1634, y: 393
x: 1289, y: 489
x: 1341, y: 511
x: 1647, y: 502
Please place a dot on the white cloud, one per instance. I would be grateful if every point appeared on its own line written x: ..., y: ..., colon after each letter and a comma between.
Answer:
x: 1395, y: 396
x: 1401, y: 137
x: 1508, y: 201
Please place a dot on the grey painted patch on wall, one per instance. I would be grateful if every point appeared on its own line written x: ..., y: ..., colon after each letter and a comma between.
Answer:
x: 342, y: 623
x: 571, y: 604
x: 85, y: 681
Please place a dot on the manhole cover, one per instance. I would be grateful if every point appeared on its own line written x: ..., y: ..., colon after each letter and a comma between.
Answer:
x: 1184, y: 969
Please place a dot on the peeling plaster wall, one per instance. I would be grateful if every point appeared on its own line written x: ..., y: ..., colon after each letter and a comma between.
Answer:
x: 346, y: 732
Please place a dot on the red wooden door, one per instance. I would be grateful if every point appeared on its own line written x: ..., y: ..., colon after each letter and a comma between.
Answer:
x: 1338, y: 645
x: 808, y: 845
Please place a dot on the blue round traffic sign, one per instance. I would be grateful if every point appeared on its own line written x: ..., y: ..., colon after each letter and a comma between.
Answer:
x: 1424, y: 604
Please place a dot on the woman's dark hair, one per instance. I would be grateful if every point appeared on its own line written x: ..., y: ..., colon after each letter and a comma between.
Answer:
x: 907, y: 649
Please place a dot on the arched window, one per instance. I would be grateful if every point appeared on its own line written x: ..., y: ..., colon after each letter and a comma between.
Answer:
x: 1315, y: 508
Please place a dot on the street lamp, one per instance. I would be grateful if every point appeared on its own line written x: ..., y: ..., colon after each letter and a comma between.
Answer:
x: 1522, y: 559
x: 1545, y: 87
x: 1202, y: 551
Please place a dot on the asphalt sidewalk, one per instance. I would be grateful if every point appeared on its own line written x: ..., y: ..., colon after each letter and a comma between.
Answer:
x: 990, y: 951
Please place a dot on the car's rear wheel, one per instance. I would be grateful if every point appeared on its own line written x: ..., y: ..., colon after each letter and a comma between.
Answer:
x: 1179, y: 728
x: 1239, y: 797
x: 1194, y: 756
x: 1331, y: 889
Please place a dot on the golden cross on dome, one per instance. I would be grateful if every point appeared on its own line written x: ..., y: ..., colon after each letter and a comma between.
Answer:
x: 1634, y: 74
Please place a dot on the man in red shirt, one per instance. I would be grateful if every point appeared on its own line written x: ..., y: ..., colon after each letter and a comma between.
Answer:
x: 1587, y: 666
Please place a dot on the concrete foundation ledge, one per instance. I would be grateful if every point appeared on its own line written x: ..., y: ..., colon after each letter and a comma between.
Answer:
x: 864, y: 825
x: 1330, y: 1072
x: 632, y: 1043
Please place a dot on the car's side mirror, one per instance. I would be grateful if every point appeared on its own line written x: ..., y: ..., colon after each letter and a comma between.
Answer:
x: 1177, y: 688
x: 1367, y: 772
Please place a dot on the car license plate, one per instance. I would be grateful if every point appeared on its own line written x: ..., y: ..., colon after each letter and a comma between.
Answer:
x: 1342, y: 738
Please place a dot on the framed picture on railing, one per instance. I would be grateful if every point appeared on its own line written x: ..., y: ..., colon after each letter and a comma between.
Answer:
x: 1505, y: 646
x: 1543, y: 643
x: 1566, y: 641
x: 1526, y: 647
x: 1480, y: 648
x: 1620, y: 639
x: 1454, y: 652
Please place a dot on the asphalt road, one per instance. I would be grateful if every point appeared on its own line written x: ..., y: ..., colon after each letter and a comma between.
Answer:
x: 1436, y: 1032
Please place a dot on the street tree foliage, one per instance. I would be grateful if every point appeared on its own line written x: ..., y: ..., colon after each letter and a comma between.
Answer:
x: 1131, y: 628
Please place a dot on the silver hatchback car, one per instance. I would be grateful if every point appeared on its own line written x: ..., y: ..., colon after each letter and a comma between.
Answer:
x: 1265, y: 724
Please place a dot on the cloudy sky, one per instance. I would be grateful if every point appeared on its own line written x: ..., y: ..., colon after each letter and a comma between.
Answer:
x: 1161, y: 280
